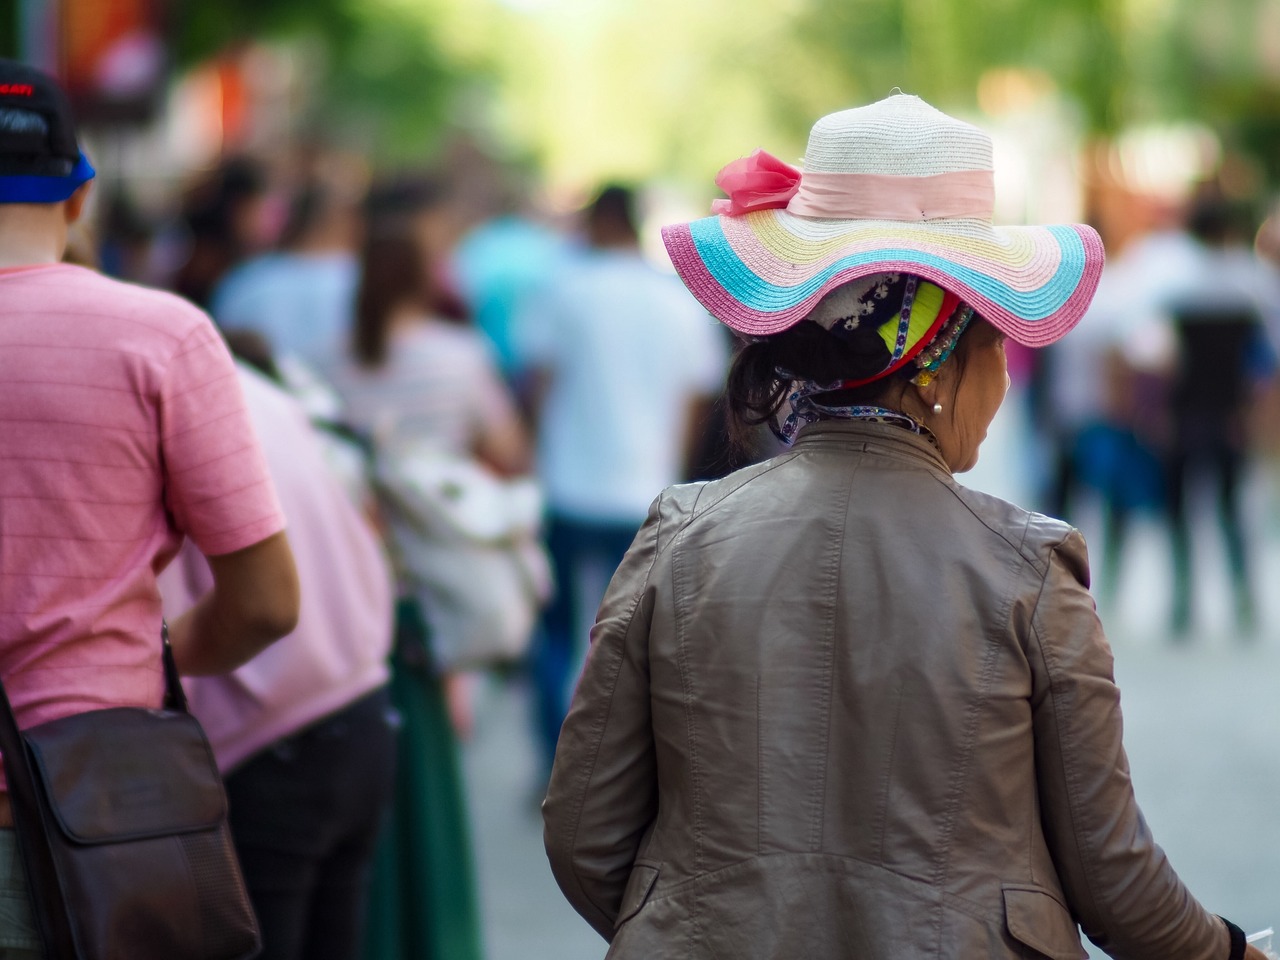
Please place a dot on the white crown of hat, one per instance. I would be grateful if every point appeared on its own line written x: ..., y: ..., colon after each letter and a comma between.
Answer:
x: 900, y: 135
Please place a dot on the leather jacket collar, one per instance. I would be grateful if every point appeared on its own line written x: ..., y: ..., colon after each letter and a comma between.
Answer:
x: 882, y: 438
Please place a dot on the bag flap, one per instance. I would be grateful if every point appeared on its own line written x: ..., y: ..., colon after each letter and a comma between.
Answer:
x: 1037, y: 919
x: 639, y: 886
x: 127, y: 774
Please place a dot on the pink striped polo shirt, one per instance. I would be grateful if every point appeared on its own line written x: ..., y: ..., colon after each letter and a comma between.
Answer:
x: 122, y: 428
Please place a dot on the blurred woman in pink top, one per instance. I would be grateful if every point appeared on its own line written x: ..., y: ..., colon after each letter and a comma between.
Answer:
x: 304, y: 732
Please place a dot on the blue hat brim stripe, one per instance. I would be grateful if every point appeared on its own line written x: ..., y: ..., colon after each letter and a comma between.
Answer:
x: 756, y: 293
x: 34, y: 189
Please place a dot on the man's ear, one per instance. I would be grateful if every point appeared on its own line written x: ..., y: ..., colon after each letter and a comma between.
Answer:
x: 75, y: 203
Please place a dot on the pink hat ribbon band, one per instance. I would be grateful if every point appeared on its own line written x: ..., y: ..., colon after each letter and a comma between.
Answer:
x: 763, y: 182
x: 874, y: 196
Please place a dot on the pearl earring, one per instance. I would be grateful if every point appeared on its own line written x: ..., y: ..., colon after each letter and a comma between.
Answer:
x: 937, y: 409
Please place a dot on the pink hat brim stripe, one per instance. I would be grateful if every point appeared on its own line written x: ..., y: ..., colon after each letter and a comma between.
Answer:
x: 1057, y: 258
x: 1049, y: 318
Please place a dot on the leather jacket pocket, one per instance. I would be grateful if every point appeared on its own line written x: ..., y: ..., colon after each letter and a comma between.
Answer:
x: 1036, y: 918
x: 639, y: 886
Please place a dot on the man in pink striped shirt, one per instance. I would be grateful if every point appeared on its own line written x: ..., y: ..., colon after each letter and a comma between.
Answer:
x: 122, y: 431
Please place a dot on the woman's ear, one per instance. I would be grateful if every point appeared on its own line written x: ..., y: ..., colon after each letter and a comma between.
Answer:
x: 928, y: 392
x: 913, y: 399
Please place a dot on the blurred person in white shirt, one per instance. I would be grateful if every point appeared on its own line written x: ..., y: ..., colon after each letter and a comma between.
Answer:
x: 624, y: 364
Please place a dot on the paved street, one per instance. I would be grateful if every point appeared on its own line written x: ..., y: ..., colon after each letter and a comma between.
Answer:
x: 1202, y: 729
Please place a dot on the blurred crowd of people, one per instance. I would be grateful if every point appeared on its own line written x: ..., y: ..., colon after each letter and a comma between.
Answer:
x: 1166, y: 391
x: 448, y: 414
x: 388, y: 332
x: 393, y: 346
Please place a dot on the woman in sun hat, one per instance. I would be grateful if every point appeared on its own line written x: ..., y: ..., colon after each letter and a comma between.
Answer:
x: 837, y: 705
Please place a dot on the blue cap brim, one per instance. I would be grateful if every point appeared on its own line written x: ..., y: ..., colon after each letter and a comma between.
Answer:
x: 34, y: 189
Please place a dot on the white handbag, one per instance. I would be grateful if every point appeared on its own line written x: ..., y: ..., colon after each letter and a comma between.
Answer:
x: 469, y: 548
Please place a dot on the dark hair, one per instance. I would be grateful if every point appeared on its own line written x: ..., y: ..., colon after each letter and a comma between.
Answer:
x: 307, y: 210
x: 393, y: 271
x: 393, y: 203
x: 1214, y: 220
x: 755, y: 392
x: 614, y: 210
x: 255, y: 350
x: 211, y: 205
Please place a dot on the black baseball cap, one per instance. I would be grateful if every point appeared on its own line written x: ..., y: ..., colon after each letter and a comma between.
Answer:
x: 40, y: 160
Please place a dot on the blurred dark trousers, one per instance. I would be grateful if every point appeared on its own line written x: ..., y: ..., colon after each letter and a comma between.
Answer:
x: 1220, y: 354
x: 1212, y: 443
x: 575, y: 547
x: 18, y: 937
x: 305, y: 816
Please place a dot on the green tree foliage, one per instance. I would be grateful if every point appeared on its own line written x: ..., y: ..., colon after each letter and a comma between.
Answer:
x: 941, y: 48
x: 384, y: 78
x: 203, y: 28
x: 593, y: 88
x: 1123, y: 61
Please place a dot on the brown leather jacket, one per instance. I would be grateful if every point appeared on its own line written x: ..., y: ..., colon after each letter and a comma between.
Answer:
x: 837, y: 705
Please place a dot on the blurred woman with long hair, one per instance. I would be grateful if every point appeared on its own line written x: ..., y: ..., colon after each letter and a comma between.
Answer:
x: 418, y: 374
x: 418, y: 371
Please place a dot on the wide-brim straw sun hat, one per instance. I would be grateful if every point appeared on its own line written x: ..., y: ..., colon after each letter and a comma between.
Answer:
x: 893, y: 186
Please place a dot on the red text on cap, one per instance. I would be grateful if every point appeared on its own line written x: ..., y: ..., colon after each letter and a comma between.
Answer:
x: 17, y: 89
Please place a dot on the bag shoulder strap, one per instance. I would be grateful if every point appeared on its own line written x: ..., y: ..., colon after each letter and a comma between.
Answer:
x: 17, y: 765
x: 175, y: 698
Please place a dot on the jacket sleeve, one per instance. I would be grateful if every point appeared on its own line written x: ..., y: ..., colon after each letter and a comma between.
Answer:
x: 1119, y: 883
x: 603, y: 791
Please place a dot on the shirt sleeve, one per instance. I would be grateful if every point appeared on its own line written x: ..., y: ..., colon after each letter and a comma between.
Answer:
x: 537, y: 331
x: 705, y: 347
x: 217, y: 487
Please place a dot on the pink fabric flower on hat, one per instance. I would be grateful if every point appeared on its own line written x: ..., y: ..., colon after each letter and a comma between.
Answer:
x: 758, y: 182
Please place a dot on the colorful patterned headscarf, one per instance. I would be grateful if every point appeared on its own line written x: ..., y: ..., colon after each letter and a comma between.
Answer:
x: 910, y: 316
x: 917, y: 322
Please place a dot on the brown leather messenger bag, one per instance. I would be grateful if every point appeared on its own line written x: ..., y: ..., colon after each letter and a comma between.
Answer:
x: 121, y: 821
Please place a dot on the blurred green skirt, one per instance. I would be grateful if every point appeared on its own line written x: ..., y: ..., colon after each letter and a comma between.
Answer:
x: 422, y: 899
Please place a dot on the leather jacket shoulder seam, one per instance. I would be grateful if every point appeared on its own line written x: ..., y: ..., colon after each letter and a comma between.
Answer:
x: 1021, y: 547
x: 1026, y: 527
x: 951, y: 488
x: 694, y: 508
